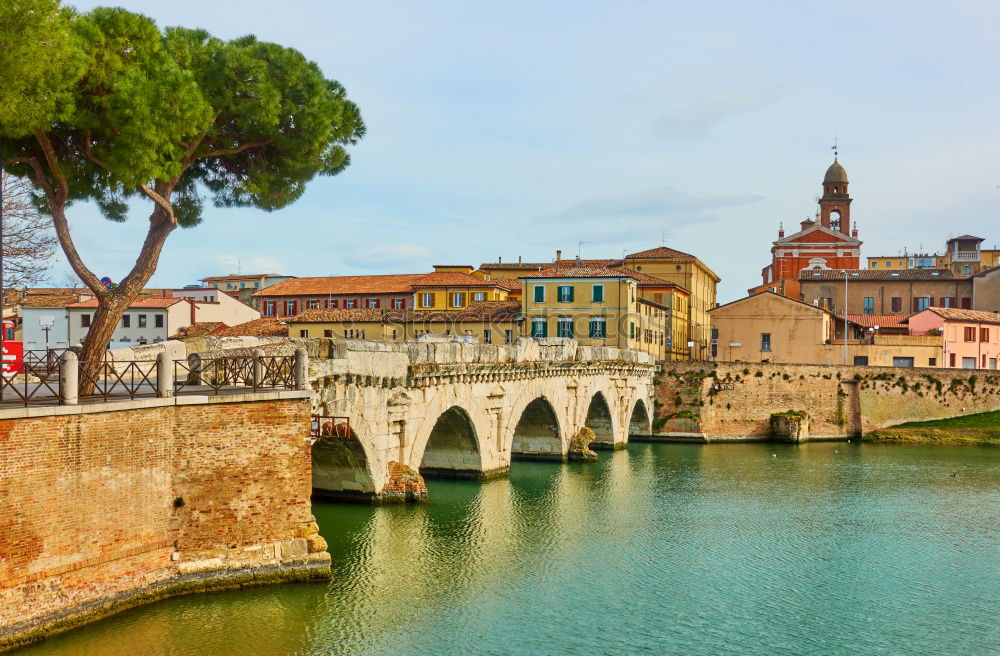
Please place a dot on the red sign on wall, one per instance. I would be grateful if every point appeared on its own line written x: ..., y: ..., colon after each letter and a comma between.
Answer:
x: 13, y: 358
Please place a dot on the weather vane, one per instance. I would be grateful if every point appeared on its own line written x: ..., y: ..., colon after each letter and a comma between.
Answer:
x: 836, y: 150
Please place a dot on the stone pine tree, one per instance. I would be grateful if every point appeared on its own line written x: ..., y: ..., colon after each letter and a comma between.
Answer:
x: 106, y: 107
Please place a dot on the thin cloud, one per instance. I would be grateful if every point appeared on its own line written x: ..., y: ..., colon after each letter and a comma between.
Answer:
x: 702, y: 114
x: 376, y: 257
x: 229, y: 263
x: 659, y: 204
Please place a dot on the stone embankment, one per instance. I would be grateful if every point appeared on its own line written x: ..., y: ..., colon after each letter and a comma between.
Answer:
x: 733, y: 400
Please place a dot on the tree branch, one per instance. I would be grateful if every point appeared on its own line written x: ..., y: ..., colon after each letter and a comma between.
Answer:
x: 57, y: 205
x: 233, y: 151
x: 88, y: 146
x: 163, y: 203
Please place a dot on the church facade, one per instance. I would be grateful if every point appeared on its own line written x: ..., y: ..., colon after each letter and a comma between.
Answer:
x: 830, y: 242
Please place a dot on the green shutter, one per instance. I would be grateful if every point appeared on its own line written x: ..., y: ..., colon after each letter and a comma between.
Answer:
x: 598, y: 294
x: 570, y: 298
x: 539, y: 294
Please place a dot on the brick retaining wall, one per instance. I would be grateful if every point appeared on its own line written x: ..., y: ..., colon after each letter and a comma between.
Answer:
x: 101, y: 509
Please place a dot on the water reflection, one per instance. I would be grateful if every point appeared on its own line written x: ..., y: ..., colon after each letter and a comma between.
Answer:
x: 720, y: 549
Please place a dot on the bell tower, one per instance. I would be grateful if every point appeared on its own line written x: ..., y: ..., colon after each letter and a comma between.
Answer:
x: 835, y: 204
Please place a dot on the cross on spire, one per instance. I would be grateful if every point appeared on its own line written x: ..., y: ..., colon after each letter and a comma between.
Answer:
x: 836, y: 146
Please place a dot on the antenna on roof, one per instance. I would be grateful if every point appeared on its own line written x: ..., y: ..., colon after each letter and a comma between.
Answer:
x: 663, y: 238
x: 579, y: 248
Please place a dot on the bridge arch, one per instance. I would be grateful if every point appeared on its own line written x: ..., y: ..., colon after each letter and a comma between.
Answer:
x: 537, y: 435
x: 452, y: 448
x: 600, y: 419
x: 341, y: 468
x: 640, y: 422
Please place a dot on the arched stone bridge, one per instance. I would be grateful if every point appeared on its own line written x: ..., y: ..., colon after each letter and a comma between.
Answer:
x: 465, y: 410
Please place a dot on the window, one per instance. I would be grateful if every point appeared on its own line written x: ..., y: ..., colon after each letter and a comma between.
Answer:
x: 303, y: 333
x: 508, y: 336
x: 888, y: 265
x: 487, y: 337
x: 598, y: 294
x: 951, y: 359
x: 869, y: 305
x: 874, y: 265
x: 967, y: 363
x: 539, y: 327
x: 85, y: 321
x: 242, y: 285
x: 565, y: 293
x: 993, y: 363
x: 598, y: 328
x: 126, y: 321
x: 631, y: 330
x: 931, y: 362
x: 158, y: 320
x: 458, y: 299
x: 394, y: 333
x: 945, y: 302
x: 765, y: 341
x: 398, y: 304
x: 861, y: 360
x: 539, y: 294
x: 897, y: 304
x: 970, y: 333
x: 313, y: 304
x: 921, y: 303
x: 966, y: 270
x: 479, y: 297
x: 427, y: 300
x: 142, y: 320
x: 327, y: 333
x: 984, y: 334
x: 902, y: 362
x: 372, y: 303
x: 290, y: 307
x: 349, y: 304
x: 564, y: 327
x: 256, y: 284
x: 715, y: 342
x: 966, y: 302
x: 269, y: 309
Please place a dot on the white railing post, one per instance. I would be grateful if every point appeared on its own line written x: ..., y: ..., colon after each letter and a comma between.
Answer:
x: 164, y: 375
x: 301, y: 369
x: 69, y: 379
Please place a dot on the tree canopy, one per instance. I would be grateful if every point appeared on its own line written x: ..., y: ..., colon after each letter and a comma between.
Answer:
x: 105, y: 106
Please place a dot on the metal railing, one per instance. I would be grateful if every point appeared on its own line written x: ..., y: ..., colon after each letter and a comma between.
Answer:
x: 330, y: 426
x: 109, y: 378
x: 256, y: 372
x: 39, y: 382
x: 42, y: 361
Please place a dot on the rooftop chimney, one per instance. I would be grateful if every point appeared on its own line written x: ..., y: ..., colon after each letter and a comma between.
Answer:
x: 781, y: 230
x: 558, y: 255
x: 499, y: 260
x: 518, y: 259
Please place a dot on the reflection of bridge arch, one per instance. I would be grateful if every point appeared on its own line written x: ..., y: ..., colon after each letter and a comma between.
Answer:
x: 536, y: 433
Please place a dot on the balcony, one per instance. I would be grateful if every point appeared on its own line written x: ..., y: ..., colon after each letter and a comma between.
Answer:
x: 965, y: 256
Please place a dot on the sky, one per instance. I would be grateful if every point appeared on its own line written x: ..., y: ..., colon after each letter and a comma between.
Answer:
x: 518, y: 128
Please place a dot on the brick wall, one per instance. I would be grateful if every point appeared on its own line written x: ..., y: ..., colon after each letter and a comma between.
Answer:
x: 100, y: 507
x: 737, y: 399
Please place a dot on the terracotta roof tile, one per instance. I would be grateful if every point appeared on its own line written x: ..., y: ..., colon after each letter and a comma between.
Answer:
x: 650, y: 281
x: 491, y: 311
x: 452, y: 279
x: 510, y: 284
x: 658, y: 252
x: 243, y: 276
x: 263, y: 327
x: 579, y: 272
x: 321, y: 315
x: 957, y: 314
x: 880, y: 320
x: 875, y: 274
x: 141, y: 302
x: 199, y: 329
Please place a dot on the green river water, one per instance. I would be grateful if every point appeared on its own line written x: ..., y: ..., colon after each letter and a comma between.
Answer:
x: 661, y: 549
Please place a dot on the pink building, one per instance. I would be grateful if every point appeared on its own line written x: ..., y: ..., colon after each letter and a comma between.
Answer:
x: 970, y: 338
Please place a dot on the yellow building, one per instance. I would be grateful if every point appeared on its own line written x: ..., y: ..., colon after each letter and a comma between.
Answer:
x: 693, y: 293
x: 594, y: 305
x: 769, y: 327
x: 453, y: 287
x: 489, y: 322
x: 691, y: 274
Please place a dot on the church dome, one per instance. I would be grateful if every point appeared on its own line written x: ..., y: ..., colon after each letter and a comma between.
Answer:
x: 836, y: 174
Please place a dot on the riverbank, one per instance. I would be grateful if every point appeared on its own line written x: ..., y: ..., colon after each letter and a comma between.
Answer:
x: 981, y: 429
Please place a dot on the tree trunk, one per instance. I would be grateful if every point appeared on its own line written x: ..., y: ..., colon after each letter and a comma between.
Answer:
x: 95, y: 345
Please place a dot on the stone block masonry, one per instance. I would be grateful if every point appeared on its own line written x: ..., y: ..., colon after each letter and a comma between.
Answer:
x: 737, y: 399
x: 108, y: 505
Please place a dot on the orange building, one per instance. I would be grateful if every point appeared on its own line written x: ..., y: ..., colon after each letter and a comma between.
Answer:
x: 829, y: 243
